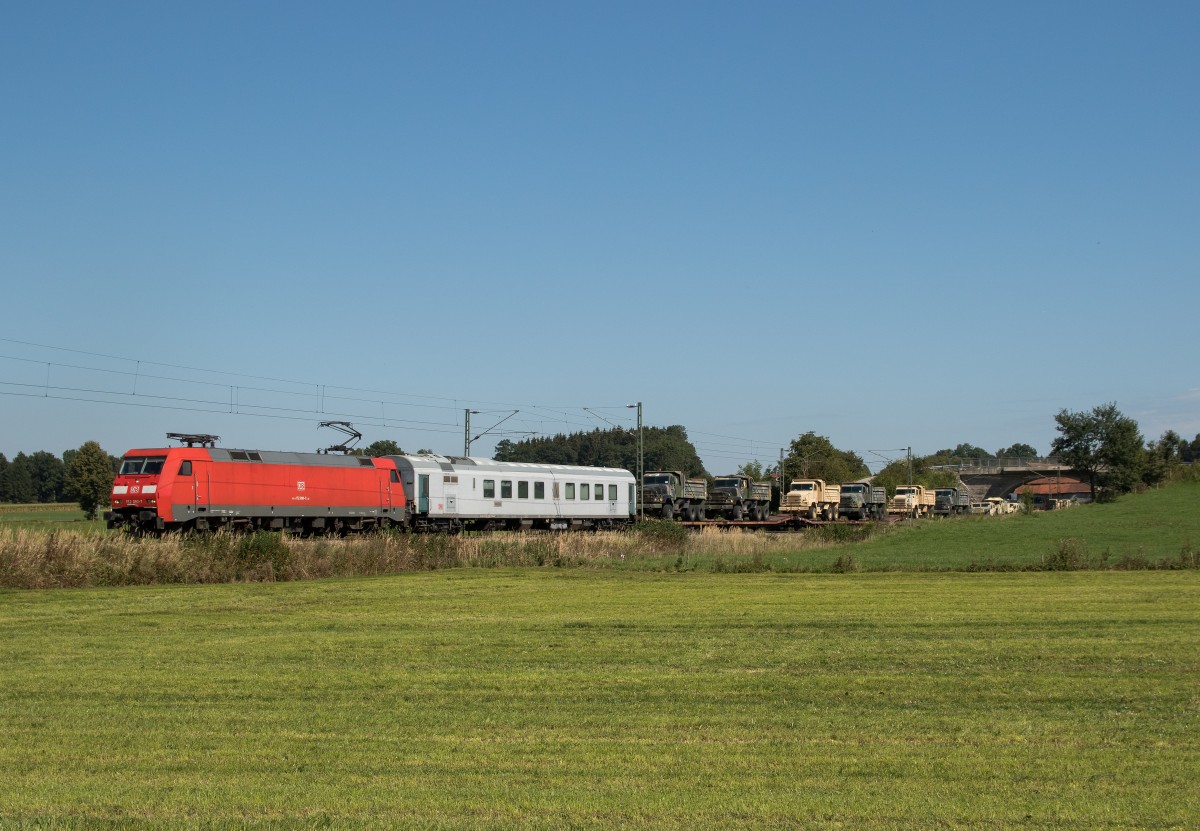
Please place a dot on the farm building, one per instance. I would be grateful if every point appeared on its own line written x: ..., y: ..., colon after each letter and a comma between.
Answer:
x: 1051, y: 489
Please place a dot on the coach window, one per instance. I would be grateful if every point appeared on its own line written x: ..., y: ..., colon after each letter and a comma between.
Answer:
x: 506, y: 489
x: 185, y: 469
x: 599, y: 490
x: 612, y: 493
x: 522, y: 490
x: 570, y: 486
x: 489, y: 488
x: 585, y: 492
x: 539, y: 490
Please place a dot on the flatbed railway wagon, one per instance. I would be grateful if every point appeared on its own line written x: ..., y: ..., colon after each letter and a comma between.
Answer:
x: 166, y: 489
x: 459, y: 493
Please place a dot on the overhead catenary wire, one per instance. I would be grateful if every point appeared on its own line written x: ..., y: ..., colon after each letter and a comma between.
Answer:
x: 269, y: 396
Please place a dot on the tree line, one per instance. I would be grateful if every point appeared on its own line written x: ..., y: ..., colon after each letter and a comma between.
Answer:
x: 83, y: 475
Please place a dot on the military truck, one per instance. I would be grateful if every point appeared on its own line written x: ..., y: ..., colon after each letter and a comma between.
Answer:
x: 811, y: 498
x: 862, y: 501
x: 951, y: 501
x: 672, y: 495
x: 912, y: 501
x: 736, y: 497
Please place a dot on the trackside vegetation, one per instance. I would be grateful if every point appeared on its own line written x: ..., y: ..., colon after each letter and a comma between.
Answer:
x: 550, y: 699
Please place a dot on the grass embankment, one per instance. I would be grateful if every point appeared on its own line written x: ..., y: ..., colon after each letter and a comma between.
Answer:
x: 1156, y: 528
x: 541, y: 699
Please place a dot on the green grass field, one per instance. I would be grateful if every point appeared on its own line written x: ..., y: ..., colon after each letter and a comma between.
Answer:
x: 1156, y: 525
x: 538, y: 698
x: 42, y: 515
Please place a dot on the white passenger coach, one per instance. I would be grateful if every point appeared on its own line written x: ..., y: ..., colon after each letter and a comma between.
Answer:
x: 454, y: 493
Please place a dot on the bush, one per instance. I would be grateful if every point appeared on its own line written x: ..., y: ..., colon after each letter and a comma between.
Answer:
x: 846, y: 563
x: 661, y: 534
x: 1069, y: 555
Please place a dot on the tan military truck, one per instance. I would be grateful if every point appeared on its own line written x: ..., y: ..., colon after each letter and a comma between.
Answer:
x: 811, y: 498
x: 672, y: 495
x: 912, y: 501
x: 736, y: 497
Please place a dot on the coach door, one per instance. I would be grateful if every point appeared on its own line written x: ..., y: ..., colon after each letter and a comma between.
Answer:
x: 423, y: 493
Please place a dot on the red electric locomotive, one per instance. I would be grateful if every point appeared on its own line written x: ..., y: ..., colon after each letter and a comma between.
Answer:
x: 207, y: 488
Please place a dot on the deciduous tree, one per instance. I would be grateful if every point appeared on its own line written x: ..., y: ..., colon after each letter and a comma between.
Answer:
x: 89, y: 478
x: 1104, y: 446
x: 1018, y: 451
x: 814, y: 457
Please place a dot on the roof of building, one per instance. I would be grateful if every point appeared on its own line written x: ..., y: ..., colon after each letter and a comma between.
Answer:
x: 1055, y: 486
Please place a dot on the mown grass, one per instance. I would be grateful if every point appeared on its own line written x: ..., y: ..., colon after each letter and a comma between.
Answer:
x: 542, y: 699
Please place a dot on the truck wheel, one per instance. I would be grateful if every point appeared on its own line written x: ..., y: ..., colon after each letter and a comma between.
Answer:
x: 701, y: 514
x: 668, y: 512
x: 737, y: 513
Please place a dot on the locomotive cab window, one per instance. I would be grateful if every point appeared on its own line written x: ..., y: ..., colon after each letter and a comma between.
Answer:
x: 134, y: 465
x: 489, y: 488
x: 185, y: 469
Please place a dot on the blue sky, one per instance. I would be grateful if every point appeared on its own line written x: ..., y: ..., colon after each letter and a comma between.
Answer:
x: 892, y: 224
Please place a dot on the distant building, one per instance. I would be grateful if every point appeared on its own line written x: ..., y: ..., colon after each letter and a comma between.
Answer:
x: 1050, y: 489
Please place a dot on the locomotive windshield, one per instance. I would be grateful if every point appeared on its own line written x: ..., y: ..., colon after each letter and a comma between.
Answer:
x: 134, y: 465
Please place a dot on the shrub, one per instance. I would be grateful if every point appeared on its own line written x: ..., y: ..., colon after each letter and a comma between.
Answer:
x: 1069, y: 555
x: 661, y: 535
x: 846, y: 563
